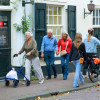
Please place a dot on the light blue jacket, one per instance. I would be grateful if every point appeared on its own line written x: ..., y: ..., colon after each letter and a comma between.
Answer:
x: 91, y: 46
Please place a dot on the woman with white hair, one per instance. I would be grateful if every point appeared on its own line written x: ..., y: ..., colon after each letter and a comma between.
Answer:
x: 30, y: 47
x: 65, y: 43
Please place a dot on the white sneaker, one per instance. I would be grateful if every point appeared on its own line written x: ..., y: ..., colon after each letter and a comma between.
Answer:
x: 42, y: 81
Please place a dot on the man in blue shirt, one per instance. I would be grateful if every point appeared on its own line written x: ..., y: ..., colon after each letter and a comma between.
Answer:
x: 48, y: 48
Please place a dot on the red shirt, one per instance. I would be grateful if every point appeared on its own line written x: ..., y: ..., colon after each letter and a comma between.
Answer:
x: 62, y: 44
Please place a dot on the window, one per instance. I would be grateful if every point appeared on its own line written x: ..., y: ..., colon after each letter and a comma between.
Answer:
x: 5, y: 2
x: 54, y: 20
x: 96, y: 17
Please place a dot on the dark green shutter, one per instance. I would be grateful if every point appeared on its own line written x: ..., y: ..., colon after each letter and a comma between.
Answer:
x: 72, y: 21
x: 40, y: 23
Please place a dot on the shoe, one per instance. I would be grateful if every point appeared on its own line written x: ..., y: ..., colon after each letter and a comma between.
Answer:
x: 48, y: 78
x: 76, y: 86
x: 55, y: 76
x: 42, y: 81
x: 64, y: 78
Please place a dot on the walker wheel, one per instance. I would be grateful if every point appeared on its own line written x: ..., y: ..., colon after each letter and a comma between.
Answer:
x: 27, y: 83
x: 7, y: 83
x: 15, y: 83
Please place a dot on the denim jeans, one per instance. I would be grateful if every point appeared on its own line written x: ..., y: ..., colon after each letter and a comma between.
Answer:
x: 49, y: 59
x: 77, y: 73
x: 65, y: 65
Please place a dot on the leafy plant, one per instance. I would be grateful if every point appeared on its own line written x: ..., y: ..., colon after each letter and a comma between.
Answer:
x: 15, y: 4
x: 25, y: 24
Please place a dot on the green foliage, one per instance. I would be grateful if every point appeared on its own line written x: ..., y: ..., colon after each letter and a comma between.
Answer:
x: 15, y: 4
x: 25, y: 24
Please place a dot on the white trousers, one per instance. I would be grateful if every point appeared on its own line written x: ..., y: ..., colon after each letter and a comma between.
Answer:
x: 36, y: 66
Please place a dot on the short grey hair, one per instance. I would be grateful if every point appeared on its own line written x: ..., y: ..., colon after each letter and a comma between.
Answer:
x: 49, y: 30
x: 29, y: 32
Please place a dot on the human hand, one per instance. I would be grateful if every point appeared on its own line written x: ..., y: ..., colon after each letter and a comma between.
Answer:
x: 28, y: 54
x: 57, y: 53
x: 42, y: 54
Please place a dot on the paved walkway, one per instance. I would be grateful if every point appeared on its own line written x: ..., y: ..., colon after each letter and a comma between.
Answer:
x: 22, y: 91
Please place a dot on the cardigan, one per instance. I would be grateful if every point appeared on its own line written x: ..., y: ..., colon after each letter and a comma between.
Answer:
x: 76, y: 54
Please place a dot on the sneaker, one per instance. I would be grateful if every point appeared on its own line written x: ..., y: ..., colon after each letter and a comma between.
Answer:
x: 42, y: 81
x: 48, y: 78
x: 23, y: 83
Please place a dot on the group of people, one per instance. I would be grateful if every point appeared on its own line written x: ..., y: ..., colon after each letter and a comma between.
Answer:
x: 69, y: 51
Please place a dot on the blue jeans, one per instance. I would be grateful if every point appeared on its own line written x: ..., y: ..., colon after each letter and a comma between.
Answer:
x: 65, y: 65
x: 49, y: 59
x: 77, y: 73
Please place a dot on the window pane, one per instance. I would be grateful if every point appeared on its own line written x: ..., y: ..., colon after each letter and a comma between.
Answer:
x: 47, y: 20
x: 59, y: 10
x: 96, y: 12
x: 99, y: 21
x: 58, y: 37
x: 47, y: 11
x: 58, y: 30
x: 93, y: 21
x: 55, y: 19
x: 55, y: 11
x: 50, y: 10
x: 99, y: 13
x: 96, y: 21
x: 54, y: 30
x: 3, y: 18
x: 50, y: 20
x: 5, y: 2
x: 59, y: 20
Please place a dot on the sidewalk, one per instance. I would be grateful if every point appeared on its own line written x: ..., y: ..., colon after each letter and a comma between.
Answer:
x: 36, y: 89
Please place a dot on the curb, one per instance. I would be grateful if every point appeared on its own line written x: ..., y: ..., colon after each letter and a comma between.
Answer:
x: 33, y: 97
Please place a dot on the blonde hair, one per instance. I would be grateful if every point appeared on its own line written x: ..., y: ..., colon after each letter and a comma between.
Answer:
x: 78, y: 40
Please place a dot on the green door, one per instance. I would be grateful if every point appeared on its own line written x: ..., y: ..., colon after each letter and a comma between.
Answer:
x: 40, y: 23
x: 5, y: 42
x: 97, y: 35
x: 72, y: 21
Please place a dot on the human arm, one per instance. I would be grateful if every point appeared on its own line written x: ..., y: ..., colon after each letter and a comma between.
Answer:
x: 42, y: 48
x: 70, y: 55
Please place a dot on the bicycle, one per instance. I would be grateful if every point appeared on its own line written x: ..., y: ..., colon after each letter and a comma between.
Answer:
x: 93, y: 69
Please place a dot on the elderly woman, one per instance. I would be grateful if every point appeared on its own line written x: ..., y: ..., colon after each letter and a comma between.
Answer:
x: 30, y: 47
x: 65, y: 43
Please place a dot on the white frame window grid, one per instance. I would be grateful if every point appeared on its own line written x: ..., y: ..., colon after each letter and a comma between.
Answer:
x: 96, y: 17
x: 54, y: 25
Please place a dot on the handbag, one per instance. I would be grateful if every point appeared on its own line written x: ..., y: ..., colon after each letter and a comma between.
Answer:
x: 63, y: 52
x: 81, y: 59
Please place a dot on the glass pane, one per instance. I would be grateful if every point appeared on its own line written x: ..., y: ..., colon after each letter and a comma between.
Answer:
x: 99, y: 22
x: 47, y: 20
x: 59, y: 20
x: 54, y: 30
x: 3, y: 30
x: 50, y: 20
x: 3, y: 18
x: 5, y: 2
x: 58, y: 30
x: 59, y: 10
x: 58, y: 37
x: 96, y: 21
x: 47, y: 10
x: 55, y: 19
x: 93, y: 21
x: 50, y: 10
x: 55, y: 11
x: 99, y: 13
x: 3, y: 36
x: 96, y: 12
